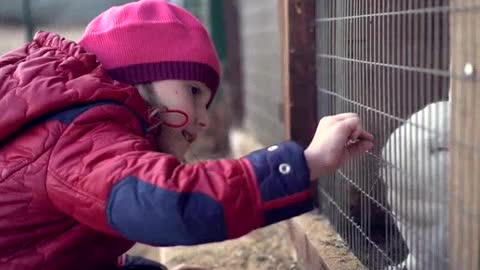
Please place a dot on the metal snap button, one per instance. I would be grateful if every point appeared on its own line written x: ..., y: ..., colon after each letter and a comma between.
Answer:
x: 284, y: 168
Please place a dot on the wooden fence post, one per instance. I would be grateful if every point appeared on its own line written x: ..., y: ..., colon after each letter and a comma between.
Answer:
x: 298, y: 49
x: 464, y: 206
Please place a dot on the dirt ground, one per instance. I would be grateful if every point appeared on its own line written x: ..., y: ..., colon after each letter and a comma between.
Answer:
x: 265, y: 249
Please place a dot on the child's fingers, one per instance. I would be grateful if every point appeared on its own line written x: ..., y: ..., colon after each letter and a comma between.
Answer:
x: 357, y: 132
x: 364, y: 135
x: 353, y: 127
x: 343, y: 116
x: 359, y: 147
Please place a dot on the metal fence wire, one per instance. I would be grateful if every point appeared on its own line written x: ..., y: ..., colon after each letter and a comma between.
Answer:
x: 389, y: 61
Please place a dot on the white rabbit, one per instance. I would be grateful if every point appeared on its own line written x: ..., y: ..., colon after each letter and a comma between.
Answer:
x: 416, y: 176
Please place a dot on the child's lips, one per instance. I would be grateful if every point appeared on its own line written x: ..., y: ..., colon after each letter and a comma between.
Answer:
x: 189, y: 137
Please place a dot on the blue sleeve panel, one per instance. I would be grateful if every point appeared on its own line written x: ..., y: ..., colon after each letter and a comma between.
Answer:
x: 145, y: 213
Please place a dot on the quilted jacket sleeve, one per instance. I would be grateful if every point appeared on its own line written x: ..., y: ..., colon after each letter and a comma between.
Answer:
x: 104, y: 173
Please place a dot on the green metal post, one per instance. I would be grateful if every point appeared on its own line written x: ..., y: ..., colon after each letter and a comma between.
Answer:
x: 217, y: 32
x: 217, y: 27
x: 28, y: 20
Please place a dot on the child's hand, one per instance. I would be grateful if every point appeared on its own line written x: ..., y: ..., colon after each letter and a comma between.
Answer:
x: 337, y: 139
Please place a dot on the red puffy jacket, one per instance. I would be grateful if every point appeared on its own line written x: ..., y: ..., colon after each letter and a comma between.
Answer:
x: 80, y: 181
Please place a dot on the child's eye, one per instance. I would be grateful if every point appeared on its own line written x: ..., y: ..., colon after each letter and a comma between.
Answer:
x: 195, y: 90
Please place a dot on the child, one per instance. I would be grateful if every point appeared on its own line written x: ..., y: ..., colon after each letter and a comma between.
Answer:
x: 90, y: 165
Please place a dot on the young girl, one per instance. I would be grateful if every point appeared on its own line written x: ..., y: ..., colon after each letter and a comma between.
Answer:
x: 92, y: 137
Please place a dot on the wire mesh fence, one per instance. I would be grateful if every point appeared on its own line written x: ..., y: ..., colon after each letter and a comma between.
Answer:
x: 390, y: 61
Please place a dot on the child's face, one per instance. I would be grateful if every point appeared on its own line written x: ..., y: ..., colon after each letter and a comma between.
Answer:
x: 177, y: 99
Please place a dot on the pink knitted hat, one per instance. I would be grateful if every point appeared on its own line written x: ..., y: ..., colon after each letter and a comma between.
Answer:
x: 152, y: 40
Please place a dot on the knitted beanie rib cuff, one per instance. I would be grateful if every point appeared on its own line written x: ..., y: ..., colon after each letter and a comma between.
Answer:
x: 171, y: 70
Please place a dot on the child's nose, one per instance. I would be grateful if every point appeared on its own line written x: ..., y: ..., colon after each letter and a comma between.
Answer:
x: 203, y: 120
